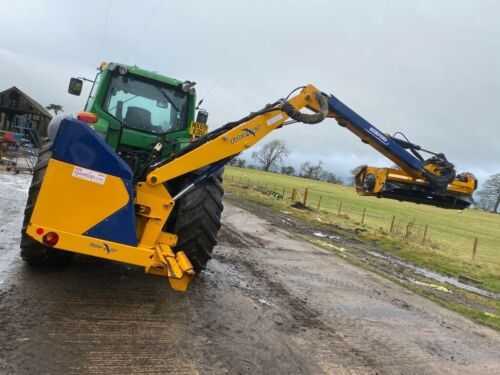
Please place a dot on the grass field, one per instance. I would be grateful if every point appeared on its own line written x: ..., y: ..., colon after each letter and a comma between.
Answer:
x: 450, y: 233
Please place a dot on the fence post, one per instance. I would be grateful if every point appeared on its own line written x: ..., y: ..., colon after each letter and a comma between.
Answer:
x: 407, y: 234
x: 424, y: 238
x: 306, y: 193
x: 474, y: 248
x: 319, y: 203
x: 363, y: 216
x: 391, y: 229
x: 340, y: 208
x: 294, y: 193
x: 284, y: 194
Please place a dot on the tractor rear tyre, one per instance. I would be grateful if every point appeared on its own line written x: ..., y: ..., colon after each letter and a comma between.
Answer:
x: 196, y: 217
x: 33, y: 252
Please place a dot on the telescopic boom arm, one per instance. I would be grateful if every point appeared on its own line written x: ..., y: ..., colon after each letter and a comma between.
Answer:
x: 432, y: 181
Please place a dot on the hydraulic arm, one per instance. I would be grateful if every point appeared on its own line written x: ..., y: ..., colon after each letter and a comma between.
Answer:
x: 431, y: 181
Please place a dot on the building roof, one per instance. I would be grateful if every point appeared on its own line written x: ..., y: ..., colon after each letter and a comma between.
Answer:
x: 33, y: 102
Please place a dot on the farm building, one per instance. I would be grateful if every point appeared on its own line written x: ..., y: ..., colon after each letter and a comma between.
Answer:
x: 18, y: 109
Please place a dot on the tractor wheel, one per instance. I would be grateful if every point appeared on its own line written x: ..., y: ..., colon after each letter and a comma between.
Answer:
x: 196, y: 218
x: 33, y: 252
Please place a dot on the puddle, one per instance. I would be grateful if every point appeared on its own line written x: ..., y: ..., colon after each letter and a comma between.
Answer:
x: 437, y: 276
x: 433, y: 286
x: 264, y: 302
x: 323, y: 235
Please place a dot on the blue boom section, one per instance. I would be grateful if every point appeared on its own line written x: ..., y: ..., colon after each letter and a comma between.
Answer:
x: 76, y: 143
x: 370, y: 132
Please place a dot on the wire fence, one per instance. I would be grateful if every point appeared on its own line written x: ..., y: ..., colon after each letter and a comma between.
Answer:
x: 448, y: 241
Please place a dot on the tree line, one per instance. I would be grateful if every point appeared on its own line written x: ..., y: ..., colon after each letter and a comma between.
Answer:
x: 272, y: 158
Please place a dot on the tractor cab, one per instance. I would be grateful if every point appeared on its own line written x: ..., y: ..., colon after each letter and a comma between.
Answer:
x: 135, y: 110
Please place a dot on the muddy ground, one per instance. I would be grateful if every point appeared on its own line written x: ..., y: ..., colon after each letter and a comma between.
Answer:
x: 267, y: 304
x: 462, y: 293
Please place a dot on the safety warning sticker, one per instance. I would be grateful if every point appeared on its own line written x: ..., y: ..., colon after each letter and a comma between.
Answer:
x: 273, y: 120
x: 89, y: 175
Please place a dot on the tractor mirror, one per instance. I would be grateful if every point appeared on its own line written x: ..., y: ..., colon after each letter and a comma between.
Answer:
x: 202, y: 116
x: 75, y: 86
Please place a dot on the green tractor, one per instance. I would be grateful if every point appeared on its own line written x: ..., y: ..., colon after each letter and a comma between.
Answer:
x: 134, y: 109
x: 144, y: 117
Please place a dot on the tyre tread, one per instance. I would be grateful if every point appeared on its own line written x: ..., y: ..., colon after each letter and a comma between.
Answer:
x: 196, y: 219
x: 33, y: 252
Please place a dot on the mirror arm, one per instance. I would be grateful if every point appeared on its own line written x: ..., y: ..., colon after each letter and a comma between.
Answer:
x: 86, y: 79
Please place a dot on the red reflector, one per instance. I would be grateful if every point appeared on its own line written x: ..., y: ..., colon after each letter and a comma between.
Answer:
x: 50, y: 239
x: 88, y: 117
x: 39, y: 231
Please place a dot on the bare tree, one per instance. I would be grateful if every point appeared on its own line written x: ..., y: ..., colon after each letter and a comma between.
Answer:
x: 331, y: 177
x: 311, y: 171
x: 271, y: 155
x: 238, y: 162
x: 317, y: 172
x: 489, y: 195
x: 56, y: 108
x: 288, y: 170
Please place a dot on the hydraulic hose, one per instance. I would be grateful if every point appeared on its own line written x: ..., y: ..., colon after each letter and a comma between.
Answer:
x: 445, y: 169
x: 307, y: 118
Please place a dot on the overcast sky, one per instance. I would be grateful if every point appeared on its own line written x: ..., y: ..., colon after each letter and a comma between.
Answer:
x: 428, y: 68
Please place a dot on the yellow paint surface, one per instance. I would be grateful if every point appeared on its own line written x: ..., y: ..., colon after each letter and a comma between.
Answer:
x: 74, y: 204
